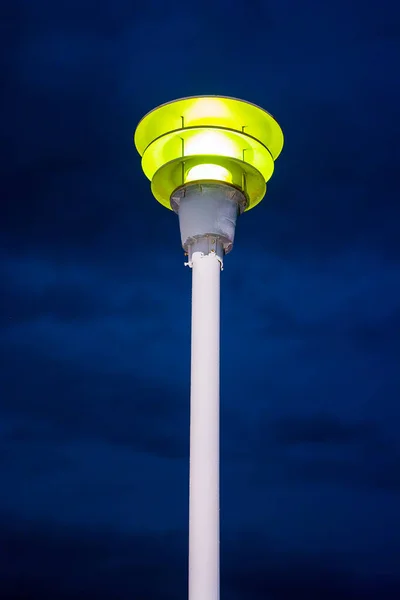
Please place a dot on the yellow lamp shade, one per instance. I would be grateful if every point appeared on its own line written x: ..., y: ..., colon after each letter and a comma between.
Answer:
x: 207, y: 138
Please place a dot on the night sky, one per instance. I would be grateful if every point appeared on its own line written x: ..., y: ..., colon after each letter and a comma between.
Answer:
x: 95, y: 304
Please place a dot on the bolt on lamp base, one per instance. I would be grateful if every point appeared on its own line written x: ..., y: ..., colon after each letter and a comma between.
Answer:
x: 208, y: 244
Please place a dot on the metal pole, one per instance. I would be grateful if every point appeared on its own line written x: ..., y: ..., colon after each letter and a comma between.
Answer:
x: 204, y: 429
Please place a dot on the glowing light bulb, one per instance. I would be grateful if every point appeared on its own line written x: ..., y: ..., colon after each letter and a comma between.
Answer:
x: 207, y: 172
x: 210, y: 142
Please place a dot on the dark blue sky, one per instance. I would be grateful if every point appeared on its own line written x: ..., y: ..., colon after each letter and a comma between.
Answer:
x: 95, y: 304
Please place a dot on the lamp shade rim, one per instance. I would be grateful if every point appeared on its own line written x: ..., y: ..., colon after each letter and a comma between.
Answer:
x: 219, y: 111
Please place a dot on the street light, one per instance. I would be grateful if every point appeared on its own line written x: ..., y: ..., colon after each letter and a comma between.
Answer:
x: 208, y: 159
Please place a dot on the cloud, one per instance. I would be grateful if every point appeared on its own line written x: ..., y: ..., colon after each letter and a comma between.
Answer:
x: 325, y: 449
x: 322, y: 429
x: 70, y: 563
x: 85, y: 480
x: 78, y: 402
x: 313, y: 577
x: 89, y: 352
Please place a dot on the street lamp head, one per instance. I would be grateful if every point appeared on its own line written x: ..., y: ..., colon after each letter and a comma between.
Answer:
x: 208, y: 159
x: 208, y: 138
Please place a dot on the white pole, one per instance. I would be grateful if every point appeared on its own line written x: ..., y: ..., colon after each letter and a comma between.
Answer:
x: 204, y: 430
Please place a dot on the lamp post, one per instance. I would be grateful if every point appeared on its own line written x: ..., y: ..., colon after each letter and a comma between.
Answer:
x: 208, y: 159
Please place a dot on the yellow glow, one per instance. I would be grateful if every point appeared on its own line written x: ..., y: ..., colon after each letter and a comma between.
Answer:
x: 214, y: 172
x: 209, y: 141
x: 208, y: 137
x: 171, y: 176
x: 203, y: 108
x: 216, y: 111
